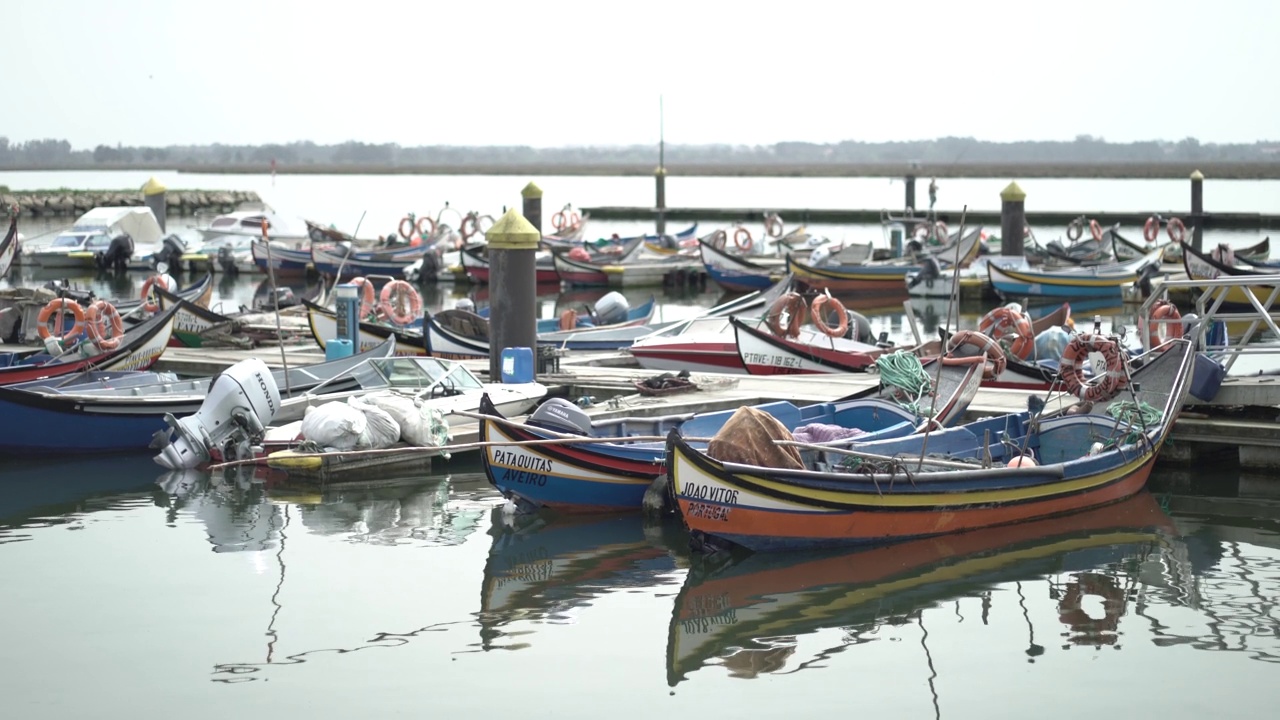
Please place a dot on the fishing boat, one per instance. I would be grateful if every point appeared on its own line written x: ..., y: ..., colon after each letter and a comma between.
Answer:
x: 139, y: 349
x: 563, y: 459
x: 475, y: 262
x: 1257, y: 254
x: 460, y: 334
x: 737, y: 273
x: 996, y: 471
x: 329, y: 260
x: 580, y: 268
x: 285, y: 259
x: 1220, y: 262
x: 9, y: 246
x: 108, y: 419
x: 127, y: 231
x: 248, y: 222
x: 1108, y: 280
x: 887, y: 277
x: 757, y: 612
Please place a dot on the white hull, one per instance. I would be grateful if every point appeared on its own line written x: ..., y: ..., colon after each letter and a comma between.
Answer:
x: 325, y: 328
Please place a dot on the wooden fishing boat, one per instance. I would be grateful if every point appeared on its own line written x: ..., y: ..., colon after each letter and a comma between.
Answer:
x: 329, y: 259
x: 323, y: 321
x: 139, y: 349
x: 459, y: 334
x: 583, y: 268
x: 758, y: 611
x: 1258, y: 253
x: 992, y: 472
x: 1202, y: 266
x: 607, y: 471
x: 734, y: 272
x: 109, y: 420
x: 9, y: 246
x: 1125, y: 249
x: 888, y: 277
x: 475, y: 262
x: 193, y: 325
x: 1075, y: 282
x: 285, y: 260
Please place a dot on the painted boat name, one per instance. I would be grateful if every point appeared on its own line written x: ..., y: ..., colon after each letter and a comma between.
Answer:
x: 522, y: 468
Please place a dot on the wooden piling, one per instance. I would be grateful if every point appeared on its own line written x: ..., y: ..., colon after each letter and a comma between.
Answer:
x: 513, y: 303
x: 1197, y: 210
x: 1013, y: 218
x: 532, y: 206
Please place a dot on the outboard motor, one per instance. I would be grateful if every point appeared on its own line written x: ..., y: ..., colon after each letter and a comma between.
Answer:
x: 227, y: 261
x: 1145, y: 276
x: 819, y: 256
x: 612, y: 308
x: 117, y: 254
x: 859, y: 328
x: 561, y: 415
x: 172, y: 248
x: 241, y: 403
x: 930, y: 270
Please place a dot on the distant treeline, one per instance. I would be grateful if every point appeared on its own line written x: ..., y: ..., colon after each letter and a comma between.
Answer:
x: 944, y: 156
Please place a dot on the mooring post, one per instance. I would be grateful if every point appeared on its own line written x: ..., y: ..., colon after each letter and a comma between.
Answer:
x: 660, y: 190
x: 153, y: 196
x: 513, y: 300
x: 1013, y: 219
x: 532, y: 195
x: 910, y: 200
x: 1197, y: 210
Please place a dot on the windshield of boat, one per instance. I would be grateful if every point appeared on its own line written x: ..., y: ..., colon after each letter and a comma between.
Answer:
x: 421, y: 373
x: 68, y: 241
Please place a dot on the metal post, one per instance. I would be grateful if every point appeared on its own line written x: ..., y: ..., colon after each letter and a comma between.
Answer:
x: 660, y: 193
x: 532, y: 195
x: 910, y: 201
x: 1013, y: 220
x: 513, y: 304
x: 153, y: 196
x: 1197, y: 210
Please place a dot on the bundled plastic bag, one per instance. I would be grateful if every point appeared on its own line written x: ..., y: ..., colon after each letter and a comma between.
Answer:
x: 420, y: 425
x: 1051, y: 343
x: 381, y: 430
x: 334, y: 425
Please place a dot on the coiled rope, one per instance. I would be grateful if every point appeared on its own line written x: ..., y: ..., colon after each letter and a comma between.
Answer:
x: 903, y: 370
x: 1139, y: 416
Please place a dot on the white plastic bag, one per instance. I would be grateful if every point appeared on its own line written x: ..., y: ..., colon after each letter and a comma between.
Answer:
x: 420, y: 425
x: 1051, y: 343
x: 381, y: 430
x: 334, y: 425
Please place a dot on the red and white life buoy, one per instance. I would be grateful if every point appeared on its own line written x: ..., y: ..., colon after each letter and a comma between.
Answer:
x: 820, y: 322
x: 1177, y: 231
x: 1071, y: 367
x: 989, y: 353
x: 792, y: 305
x: 1010, y: 322
x: 1158, y: 332
x: 106, y: 328
x: 1151, y: 230
x: 59, y: 307
x: 367, y: 299
x: 400, y: 303
x: 743, y: 240
x: 150, y: 300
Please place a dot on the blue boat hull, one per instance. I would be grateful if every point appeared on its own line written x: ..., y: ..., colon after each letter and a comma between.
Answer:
x: 31, y: 430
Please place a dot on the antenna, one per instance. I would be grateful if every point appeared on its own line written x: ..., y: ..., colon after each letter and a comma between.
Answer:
x: 662, y: 143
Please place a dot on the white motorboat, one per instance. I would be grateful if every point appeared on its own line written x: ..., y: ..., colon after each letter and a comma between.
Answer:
x: 249, y: 223
x: 130, y: 231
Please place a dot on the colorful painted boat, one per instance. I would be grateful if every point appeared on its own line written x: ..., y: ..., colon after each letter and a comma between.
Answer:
x: 193, y: 323
x: 889, y: 277
x: 328, y: 259
x: 139, y: 349
x: 614, y: 475
x: 764, y: 353
x: 1257, y: 254
x: 759, y: 611
x: 286, y: 261
x: 459, y: 335
x: 948, y: 481
x: 1200, y: 266
x: 324, y: 327
x: 1076, y: 282
x: 9, y: 246
x: 733, y: 272
x: 476, y: 264
x: 114, y: 420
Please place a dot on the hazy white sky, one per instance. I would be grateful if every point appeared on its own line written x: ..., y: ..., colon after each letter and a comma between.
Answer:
x: 548, y: 73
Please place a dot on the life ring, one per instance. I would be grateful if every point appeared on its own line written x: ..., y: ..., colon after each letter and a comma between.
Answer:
x: 921, y: 230
x: 820, y: 322
x: 743, y: 240
x: 793, y: 305
x: 469, y: 226
x: 101, y: 316
x: 940, y: 232
x: 990, y: 355
x: 1157, y: 332
x: 59, y: 307
x: 773, y: 225
x: 1177, y: 231
x: 1073, y: 615
x: 1075, y: 229
x: 150, y: 302
x: 569, y: 319
x: 407, y: 226
x: 558, y: 221
x: 428, y: 231
x: 1071, y: 367
x: 400, y: 302
x: 1095, y: 230
x: 1009, y: 322
x: 718, y: 239
x: 574, y: 219
x: 367, y: 300
x: 1151, y: 229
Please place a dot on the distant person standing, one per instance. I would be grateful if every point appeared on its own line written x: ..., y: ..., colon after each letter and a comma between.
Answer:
x: 933, y: 192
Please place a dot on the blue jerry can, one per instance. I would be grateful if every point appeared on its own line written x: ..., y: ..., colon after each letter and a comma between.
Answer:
x: 517, y: 365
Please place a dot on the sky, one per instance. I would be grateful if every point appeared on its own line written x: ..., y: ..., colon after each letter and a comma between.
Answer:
x: 551, y: 73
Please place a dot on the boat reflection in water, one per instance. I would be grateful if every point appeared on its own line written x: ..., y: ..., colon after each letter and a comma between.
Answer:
x: 58, y: 491
x: 746, y: 615
x: 541, y: 569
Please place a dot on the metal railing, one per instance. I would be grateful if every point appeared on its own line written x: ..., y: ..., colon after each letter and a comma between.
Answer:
x: 1258, y: 292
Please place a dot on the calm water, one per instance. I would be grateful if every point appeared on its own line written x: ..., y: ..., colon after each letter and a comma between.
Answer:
x: 132, y: 595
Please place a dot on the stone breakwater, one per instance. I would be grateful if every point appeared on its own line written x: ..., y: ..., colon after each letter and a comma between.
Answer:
x: 60, y: 203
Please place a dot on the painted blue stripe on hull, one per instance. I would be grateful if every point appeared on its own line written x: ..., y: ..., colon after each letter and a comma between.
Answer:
x: 33, y: 431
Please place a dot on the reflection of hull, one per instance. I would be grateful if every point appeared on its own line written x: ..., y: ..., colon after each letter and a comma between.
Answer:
x: 48, y: 487
x: 778, y: 596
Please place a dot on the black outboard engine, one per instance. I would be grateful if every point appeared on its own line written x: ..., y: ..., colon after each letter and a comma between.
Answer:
x: 859, y: 328
x: 172, y: 248
x: 561, y: 416
x: 930, y: 270
x: 227, y: 261
x: 1145, y: 277
x: 430, y: 267
x: 117, y: 254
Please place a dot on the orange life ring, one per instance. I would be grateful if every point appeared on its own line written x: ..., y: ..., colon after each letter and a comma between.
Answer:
x: 1008, y: 322
x: 558, y: 220
x: 1073, y: 615
x: 1095, y: 229
x: 1177, y: 231
x: 59, y: 307
x: 406, y: 222
x: 469, y: 226
x: 400, y: 302
x: 151, y: 303
x: 429, y: 230
x: 940, y: 232
x: 793, y: 305
x: 101, y: 316
x: 1071, y: 367
x: 1151, y: 229
x: 773, y: 225
x: 1075, y: 229
x: 1158, y: 332
x: 820, y: 322
x: 743, y: 240
x: 990, y: 355
x: 367, y: 300
x: 569, y: 319
x: 574, y: 219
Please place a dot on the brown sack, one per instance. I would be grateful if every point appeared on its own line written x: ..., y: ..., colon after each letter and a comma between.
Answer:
x: 747, y: 438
